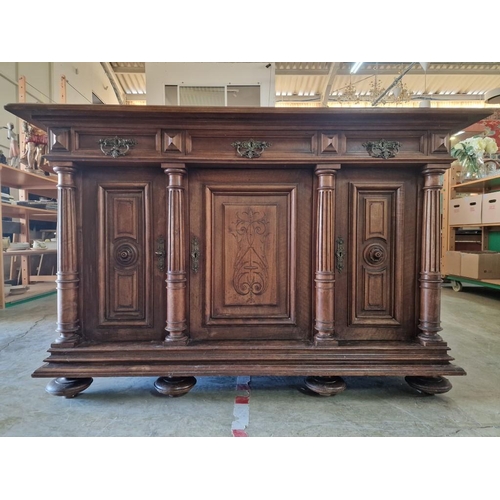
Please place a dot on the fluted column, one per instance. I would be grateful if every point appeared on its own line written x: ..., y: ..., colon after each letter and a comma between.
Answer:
x: 67, y: 280
x: 430, y: 273
x: 176, y: 324
x: 325, y: 254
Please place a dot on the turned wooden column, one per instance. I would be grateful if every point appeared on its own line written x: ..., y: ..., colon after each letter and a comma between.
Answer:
x: 176, y: 324
x: 430, y: 272
x: 67, y: 279
x: 324, y: 278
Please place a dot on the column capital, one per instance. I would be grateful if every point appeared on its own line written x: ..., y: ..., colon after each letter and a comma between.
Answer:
x: 62, y: 166
x: 434, y: 169
x: 174, y: 168
x: 327, y: 168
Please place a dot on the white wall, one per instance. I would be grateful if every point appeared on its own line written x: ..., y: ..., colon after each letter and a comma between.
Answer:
x: 43, y: 81
x: 159, y: 74
x: 83, y: 78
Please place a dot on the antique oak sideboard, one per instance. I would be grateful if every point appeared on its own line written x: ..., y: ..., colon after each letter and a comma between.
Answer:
x: 248, y: 241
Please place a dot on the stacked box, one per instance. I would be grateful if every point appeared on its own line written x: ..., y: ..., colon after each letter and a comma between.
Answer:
x: 480, y: 265
x: 490, y: 213
x: 466, y: 210
x: 452, y: 262
x: 483, y: 265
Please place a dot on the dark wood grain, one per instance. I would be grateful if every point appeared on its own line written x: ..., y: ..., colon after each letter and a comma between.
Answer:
x: 313, y: 258
x: 255, y: 237
x: 68, y: 281
x: 121, y: 218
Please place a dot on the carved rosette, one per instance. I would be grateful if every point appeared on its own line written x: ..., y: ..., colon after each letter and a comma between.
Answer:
x: 375, y: 254
x: 126, y: 254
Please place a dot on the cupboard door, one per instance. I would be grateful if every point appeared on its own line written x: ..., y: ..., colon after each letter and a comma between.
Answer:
x: 124, y: 225
x: 377, y: 250
x: 251, y: 235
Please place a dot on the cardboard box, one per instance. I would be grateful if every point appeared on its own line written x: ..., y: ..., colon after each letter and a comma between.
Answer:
x: 480, y: 265
x: 466, y: 210
x: 490, y: 213
x: 452, y: 263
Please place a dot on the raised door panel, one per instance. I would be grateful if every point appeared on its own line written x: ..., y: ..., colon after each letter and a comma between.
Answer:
x: 125, y: 224
x: 253, y: 231
x: 375, y: 282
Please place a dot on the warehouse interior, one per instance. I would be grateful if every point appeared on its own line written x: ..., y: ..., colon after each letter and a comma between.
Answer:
x: 46, y: 434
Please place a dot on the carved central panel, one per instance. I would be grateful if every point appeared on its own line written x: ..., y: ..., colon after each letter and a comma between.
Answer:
x: 251, y: 237
x: 251, y: 269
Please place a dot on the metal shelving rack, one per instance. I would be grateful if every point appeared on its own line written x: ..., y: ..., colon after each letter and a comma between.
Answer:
x: 489, y: 233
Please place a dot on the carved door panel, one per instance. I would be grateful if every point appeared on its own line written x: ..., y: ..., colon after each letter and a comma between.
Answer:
x: 376, y: 254
x: 250, y: 271
x: 124, y: 226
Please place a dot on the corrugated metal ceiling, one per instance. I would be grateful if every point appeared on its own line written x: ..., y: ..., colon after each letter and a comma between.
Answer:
x: 131, y: 76
x: 306, y: 83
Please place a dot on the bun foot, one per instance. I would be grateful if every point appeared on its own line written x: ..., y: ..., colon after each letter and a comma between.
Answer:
x: 429, y: 385
x: 174, y: 386
x: 325, y: 386
x: 68, y: 387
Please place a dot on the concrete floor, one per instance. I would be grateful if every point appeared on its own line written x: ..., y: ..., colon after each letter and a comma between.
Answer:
x: 371, y: 406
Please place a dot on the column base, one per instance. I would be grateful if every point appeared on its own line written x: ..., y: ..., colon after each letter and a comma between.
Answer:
x: 181, y: 340
x: 427, y: 340
x: 70, y: 341
x: 325, y: 340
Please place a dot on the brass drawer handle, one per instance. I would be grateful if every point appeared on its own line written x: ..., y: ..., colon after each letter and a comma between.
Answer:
x: 116, y: 146
x: 250, y: 148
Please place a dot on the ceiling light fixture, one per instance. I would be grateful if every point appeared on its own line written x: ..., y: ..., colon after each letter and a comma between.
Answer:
x: 492, y: 96
x: 356, y: 67
x: 379, y: 96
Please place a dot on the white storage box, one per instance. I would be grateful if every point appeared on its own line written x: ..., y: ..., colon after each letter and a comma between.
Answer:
x: 491, y: 208
x: 466, y: 210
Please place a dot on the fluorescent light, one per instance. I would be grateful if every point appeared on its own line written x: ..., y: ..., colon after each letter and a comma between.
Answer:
x: 458, y: 133
x: 356, y: 67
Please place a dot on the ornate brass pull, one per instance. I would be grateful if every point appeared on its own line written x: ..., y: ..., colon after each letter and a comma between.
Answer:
x: 160, y: 253
x: 382, y: 149
x: 195, y: 254
x: 340, y: 254
x: 116, y: 146
x: 250, y: 148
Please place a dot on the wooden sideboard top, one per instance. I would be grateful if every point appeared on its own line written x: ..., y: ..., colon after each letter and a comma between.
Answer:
x: 450, y: 119
x: 160, y: 135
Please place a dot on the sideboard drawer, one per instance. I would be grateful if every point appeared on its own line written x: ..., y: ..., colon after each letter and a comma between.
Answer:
x: 250, y: 144
x: 90, y: 142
